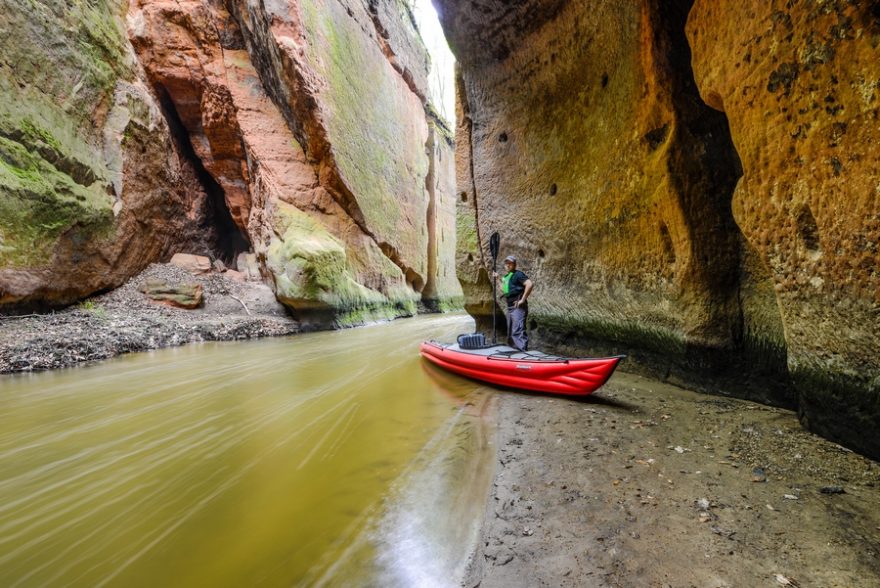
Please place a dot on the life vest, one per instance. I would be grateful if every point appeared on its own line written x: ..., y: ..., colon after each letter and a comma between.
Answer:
x: 505, y: 282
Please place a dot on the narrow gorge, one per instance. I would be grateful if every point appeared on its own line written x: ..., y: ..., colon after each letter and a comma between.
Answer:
x: 691, y: 184
x: 301, y: 133
x: 695, y: 184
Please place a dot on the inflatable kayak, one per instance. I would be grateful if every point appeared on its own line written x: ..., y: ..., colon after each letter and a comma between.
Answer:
x: 526, y: 370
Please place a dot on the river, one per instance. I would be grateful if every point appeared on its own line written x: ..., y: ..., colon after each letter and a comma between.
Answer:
x: 331, y: 458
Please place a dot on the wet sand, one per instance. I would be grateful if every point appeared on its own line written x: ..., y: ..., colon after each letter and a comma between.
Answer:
x: 647, y: 484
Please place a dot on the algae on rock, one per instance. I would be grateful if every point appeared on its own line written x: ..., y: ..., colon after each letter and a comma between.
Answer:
x: 313, y: 273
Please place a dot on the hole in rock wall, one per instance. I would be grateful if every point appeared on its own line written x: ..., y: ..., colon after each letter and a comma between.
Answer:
x: 807, y: 229
x: 464, y: 196
x: 553, y: 190
x: 656, y: 137
x: 541, y: 253
x: 224, y: 237
x: 604, y: 80
x: 414, y: 280
x: 502, y: 138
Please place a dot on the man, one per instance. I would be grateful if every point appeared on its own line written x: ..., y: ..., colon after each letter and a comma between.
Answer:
x: 516, y: 288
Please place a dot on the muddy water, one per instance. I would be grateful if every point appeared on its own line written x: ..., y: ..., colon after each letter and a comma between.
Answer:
x: 327, y: 458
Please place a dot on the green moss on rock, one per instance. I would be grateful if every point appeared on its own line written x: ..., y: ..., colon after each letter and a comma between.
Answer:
x: 313, y: 274
x: 61, y: 63
x: 842, y: 406
x: 631, y: 333
x: 379, y: 153
x: 466, y: 231
x: 39, y: 203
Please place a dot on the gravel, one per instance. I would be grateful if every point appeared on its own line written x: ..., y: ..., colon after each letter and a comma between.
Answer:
x: 125, y: 320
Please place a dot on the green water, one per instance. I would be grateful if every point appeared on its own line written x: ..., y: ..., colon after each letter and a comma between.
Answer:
x: 335, y: 458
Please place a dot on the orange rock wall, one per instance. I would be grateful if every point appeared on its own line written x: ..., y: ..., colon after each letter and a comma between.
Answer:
x: 730, y: 250
x: 800, y: 85
x: 586, y: 147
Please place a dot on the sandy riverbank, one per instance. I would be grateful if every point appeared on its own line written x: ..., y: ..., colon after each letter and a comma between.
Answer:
x: 642, y: 484
x: 125, y: 320
x: 646, y: 484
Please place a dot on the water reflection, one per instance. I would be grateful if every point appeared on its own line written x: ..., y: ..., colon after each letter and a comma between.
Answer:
x: 328, y: 458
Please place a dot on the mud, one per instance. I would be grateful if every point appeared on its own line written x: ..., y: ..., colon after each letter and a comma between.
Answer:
x: 646, y: 484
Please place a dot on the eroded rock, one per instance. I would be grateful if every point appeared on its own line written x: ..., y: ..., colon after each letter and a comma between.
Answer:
x: 585, y: 141
x: 586, y: 146
x: 317, y: 142
x: 241, y: 123
x: 801, y: 89
x: 91, y: 188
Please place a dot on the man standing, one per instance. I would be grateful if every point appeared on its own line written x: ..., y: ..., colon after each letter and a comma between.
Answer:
x: 516, y: 287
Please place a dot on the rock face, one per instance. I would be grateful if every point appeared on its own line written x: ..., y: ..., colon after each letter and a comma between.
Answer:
x: 585, y: 141
x: 801, y: 88
x: 91, y: 189
x: 313, y: 133
x: 298, y: 130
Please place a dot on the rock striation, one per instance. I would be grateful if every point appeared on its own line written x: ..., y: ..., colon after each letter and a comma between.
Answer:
x: 308, y: 139
x: 716, y: 221
x: 315, y: 135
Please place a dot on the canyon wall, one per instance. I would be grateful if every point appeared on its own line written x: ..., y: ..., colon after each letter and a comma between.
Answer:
x: 308, y: 138
x: 800, y: 84
x: 703, y: 224
x: 91, y: 187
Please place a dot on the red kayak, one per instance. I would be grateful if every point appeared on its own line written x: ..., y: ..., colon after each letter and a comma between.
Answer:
x: 527, y: 370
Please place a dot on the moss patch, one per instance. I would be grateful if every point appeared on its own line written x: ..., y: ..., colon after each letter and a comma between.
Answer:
x: 38, y: 204
x: 629, y: 333
x: 311, y: 268
x: 60, y: 65
x: 314, y: 277
x: 379, y: 153
x: 466, y: 231
x: 842, y: 407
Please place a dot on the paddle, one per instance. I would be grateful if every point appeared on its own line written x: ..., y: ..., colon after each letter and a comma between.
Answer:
x: 494, y: 242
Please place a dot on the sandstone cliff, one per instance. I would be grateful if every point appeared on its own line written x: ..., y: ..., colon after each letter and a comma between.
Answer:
x: 723, y: 235
x: 91, y: 189
x: 801, y: 88
x: 306, y: 136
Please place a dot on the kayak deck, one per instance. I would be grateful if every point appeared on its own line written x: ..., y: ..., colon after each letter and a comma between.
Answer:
x: 526, y: 370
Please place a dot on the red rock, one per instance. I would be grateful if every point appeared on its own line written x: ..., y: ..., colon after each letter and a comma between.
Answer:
x: 358, y: 173
x: 197, y: 264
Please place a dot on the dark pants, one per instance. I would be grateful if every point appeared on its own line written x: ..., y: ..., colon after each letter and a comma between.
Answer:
x: 516, y: 326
